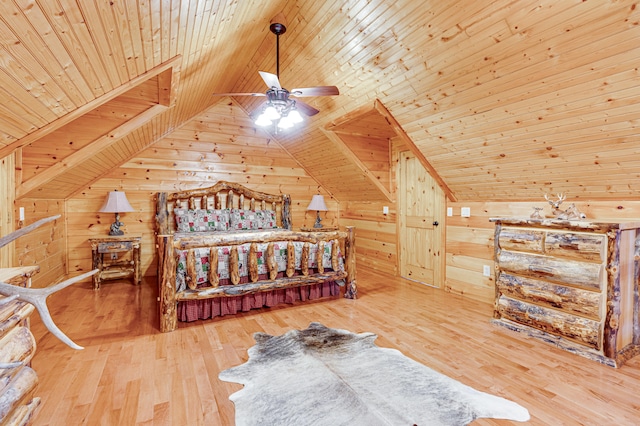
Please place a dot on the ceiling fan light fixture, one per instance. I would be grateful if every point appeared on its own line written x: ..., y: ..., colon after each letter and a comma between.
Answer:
x: 285, y: 122
x: 278, y: 109
x: 295, y: 116
x: 271, y: 113
x: 262, y: 120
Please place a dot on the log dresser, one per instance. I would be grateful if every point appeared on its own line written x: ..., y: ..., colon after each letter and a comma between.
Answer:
x: 18, y: 381
x: 570, y: 283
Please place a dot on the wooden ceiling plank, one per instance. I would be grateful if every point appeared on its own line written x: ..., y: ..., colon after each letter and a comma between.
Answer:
x: 68, y: 23
x: 33, y: 29
x: 16, y: 123
x: 130, y: 19
x: 146, y: 33
x: 98, y: 18
x: 156, y: 35
x: 25, y: 105
x: 174, y: 27
x: 20, y: 64
x: 515, y: 79
x: 117, y: 17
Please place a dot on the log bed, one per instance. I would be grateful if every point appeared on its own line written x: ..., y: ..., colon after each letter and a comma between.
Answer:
x: 206, y: 269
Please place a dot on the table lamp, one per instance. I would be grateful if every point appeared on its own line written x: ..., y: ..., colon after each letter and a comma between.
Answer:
x: 117, y: 203
x: 317, y: 204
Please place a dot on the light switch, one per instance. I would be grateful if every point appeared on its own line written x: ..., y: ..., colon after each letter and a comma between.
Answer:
x: 486, y: 270
x: 465, y: 211
x: 21, y: 213
x: 449, y: 211
x: 385, y: 209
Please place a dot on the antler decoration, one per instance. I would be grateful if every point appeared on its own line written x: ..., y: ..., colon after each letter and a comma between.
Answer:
x: 38, y: 296
x: 570, y: 213
x: 555, y: 204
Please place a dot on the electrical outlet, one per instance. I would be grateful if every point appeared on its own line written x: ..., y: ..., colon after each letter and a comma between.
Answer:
x: 465, y: 211
x: 486, y: 270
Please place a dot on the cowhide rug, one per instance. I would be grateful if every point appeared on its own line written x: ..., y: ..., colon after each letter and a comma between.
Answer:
x: 324, y: 376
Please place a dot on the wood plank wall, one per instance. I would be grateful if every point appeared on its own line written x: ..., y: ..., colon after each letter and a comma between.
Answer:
x: 7, y: 189
x: 470, y: 240
x: 219, y: 144
x: 46, y: 246
x: 222, y: 144
x: 376, y: 238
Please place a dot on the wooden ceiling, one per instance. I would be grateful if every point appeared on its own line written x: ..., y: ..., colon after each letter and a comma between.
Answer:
x: 506, y: 99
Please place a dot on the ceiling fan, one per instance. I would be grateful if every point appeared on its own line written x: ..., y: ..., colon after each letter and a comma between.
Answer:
x: 279, y: 108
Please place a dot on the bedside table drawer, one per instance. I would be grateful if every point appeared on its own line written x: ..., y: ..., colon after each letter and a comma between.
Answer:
x: 115, y: 247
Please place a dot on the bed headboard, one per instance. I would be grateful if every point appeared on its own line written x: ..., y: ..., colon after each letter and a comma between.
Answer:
x: 222, y: 195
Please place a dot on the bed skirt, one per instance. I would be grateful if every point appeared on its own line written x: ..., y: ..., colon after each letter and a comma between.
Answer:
x: 192, y: 310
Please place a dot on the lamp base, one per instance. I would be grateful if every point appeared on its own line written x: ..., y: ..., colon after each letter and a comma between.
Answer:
x: 318, y: 223
x: 115, y: 227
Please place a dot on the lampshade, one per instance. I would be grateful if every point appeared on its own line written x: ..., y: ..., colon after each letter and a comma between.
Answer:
x: 116, y: 202
x: 317, y: 203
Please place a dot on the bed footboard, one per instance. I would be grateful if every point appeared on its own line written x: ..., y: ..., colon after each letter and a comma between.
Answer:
x: 168, y: 245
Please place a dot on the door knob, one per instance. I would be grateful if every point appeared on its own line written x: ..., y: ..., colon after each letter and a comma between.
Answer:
x: 435, y: 223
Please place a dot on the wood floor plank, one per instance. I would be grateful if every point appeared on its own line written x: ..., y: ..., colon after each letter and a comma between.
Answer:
x: 130, y: 373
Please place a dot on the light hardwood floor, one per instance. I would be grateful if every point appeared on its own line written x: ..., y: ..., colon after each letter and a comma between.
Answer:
x: 131, y: 374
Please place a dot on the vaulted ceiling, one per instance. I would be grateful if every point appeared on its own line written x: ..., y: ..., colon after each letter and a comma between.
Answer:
x: 504, y: 98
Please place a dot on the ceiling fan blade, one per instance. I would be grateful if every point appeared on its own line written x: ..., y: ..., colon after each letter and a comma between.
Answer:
x: 315, y: 91
x: 270, y: 79
x: 238, y: 94
x: 306, y: 109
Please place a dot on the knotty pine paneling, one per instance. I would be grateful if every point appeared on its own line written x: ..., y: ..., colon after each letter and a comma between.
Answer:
x: 376, y: 239
x: 470, y: 240
x: 199, y: 154
x: 7, y: 189
x: 508, y: 98
x: 45, y: 246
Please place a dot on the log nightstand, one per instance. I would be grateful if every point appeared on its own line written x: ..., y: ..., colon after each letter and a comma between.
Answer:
x: 108, y: 255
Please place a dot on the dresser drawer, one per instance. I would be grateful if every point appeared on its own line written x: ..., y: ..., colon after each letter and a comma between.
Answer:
x: 583, y: 274
x: 570, y: 245
x: 568, y: 299
x: 578, y: 329
x: 518, y: 239
x: 115, y: 246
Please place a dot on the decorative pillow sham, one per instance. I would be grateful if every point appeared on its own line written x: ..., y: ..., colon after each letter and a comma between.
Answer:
x: 201, y: 220
x: 267, y: 219
x: 243, y: 219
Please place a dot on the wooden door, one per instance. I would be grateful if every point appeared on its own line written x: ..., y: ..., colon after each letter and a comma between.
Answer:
x: 421, y: 224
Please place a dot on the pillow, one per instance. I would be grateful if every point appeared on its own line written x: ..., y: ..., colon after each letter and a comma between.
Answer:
x: 201, y: 220
x: 184, y: 219
x: 213, y: 220
x: 267, y: 219
x: 241, y: 219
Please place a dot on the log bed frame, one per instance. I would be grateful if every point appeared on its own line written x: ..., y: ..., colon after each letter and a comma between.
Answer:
x: 232, y: 195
